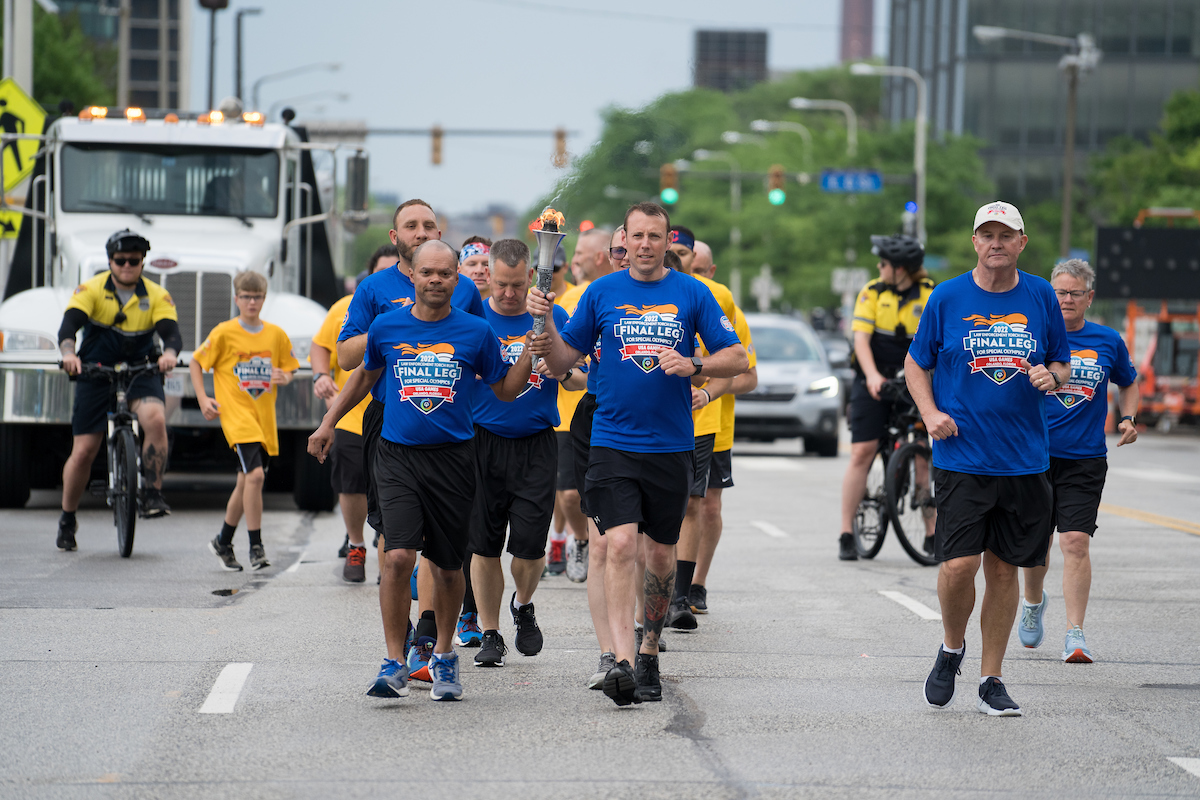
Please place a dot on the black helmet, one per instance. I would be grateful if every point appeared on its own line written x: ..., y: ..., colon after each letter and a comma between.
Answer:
x: 903, y: 251
x: 126, y: 241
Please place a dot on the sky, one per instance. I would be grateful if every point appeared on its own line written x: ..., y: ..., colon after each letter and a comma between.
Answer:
x: 491, y: 64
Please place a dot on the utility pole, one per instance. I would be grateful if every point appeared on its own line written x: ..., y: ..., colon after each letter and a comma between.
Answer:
x: 237, y: 66
x: 213, y: 7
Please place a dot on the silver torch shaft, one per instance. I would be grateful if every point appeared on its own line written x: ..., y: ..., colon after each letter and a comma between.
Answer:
x: 547, y: 241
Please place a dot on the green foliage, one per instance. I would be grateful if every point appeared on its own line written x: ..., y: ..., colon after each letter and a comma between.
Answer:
x: 69, y: 65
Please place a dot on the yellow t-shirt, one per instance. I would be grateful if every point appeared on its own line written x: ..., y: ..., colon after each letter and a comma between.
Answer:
x: 327, y: 337
x: 241, y: 364
x: 725, y: 435
x: 708, y: 419
x: 567, y: 401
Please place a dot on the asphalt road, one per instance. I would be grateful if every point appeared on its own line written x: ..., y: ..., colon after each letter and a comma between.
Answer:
x: 803, y: 681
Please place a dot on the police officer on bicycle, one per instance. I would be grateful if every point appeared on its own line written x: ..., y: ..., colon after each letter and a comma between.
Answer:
x: 120, y: 312
x: 885, y: 320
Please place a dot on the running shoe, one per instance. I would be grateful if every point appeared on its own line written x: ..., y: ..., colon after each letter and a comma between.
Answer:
x: 620, y: 685
x: 529, y: 636
x: 229, y: 561
x: 939, y: 686
x: 577, y: 560
x: 344, y: 550
x: 412, y: 582
x: 556, y: 561
x: 846, y: 549
x: 153, y: 504
x: 1031, y: 631
x: 408, y: 637
x: 680, y: 616
x: 698, y: 599
x: 66, y: 536
x: 355, y: 568
x: 468, y: 634
x: 994, y: 700
x: 492, y: 651
x: 392, y: 680
x: 418, y: 659
x: 645, y: 674
x: 607, y: 662
x: 1075, y: 651
x: 446, y: 685
x: 258, y: 557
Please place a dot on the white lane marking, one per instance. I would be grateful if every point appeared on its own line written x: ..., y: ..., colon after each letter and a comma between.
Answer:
x: 1192, y: 765
x: 296, y: 565
x: 768, y: 464
x: 225, y: 691
x: 920, y: 609
x: 770, y: 530
x: 1155, y: 475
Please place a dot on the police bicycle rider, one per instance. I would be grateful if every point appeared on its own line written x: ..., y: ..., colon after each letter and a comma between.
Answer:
x: 885, y: 320
x: 120, y: 313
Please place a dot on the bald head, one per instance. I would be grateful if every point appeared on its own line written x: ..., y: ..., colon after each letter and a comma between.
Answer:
x: 703, y: 265
x: 591, y: 254
x: 434, y: 247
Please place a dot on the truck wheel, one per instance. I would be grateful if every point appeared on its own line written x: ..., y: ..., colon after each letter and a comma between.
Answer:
x: 823, y: 446
x: 311, y: 488
x: 14, y: 466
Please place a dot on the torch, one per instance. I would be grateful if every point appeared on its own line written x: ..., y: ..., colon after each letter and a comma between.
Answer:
x: 550, y: 230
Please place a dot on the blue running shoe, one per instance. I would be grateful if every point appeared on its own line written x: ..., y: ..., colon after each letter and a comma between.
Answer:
x: 412, y: 582
x: 468, y: 634
x: 418, y: 659
x: 392, y: 680
x: 1031, y: 632
x: 994, y: 700
x: 1075, y: 651
x: 939, y: 686
x: 446, y: 685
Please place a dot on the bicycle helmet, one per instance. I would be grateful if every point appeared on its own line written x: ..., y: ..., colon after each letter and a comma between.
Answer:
x: 126, y: 241
x: 903, y: 251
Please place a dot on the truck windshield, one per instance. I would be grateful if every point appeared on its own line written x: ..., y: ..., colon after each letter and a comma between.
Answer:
x: 170, y: 179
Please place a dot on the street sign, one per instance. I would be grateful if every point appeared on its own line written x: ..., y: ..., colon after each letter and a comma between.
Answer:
x: 19, y: 113
x: 1147, y: 263
x: 853, y: 181
x: 849, y: 279
x: 10, y: 224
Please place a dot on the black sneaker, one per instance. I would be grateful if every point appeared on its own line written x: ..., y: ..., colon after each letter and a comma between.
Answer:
x: 153, y: 504
x: 680, y: 616
x: 698, y: 599
x: 66, y: 536
x: 846, y: 548
x: 620, y: 685
x: 355, y: 568
x: 529, y: 635
x: 939, y: 686
x: 492, y: 651
x: 229, y: 561
x: 344, y: 550
x: 645, y: 674
x: 258, y: 557
x: 994, y: 700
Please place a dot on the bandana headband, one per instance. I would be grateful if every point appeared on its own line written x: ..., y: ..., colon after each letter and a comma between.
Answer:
x: 679, y: 237
x: 473, y: 249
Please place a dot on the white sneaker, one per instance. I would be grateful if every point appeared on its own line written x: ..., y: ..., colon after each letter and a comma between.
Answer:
x: 577, y: 560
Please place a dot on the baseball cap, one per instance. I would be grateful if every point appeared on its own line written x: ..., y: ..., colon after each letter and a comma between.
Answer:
x: 999, y: 211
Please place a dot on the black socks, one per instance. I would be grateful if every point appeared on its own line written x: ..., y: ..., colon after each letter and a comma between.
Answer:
x: 227, y: 530
x: 684, y: 570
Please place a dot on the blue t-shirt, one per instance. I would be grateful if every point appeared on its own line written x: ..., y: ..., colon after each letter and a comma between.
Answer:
x: 429, y: 371
x: 1078, y: 408
x: 640, y: 409
x: 388, y: 290
x: 973, y: 341
x: 536, y: 407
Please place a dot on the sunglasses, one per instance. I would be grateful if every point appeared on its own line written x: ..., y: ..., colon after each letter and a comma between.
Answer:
x: 618, y: 252
x: 133, y: 262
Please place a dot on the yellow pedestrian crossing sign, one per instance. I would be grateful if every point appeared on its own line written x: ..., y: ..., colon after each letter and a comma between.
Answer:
x: 19, y: 113
x: 10, y: 224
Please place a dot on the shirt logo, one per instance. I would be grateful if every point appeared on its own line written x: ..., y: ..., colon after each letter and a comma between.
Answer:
x: 644, y: 331
x: 428, y: 375
x: 726, y: 324
x: 1086, y: 376
x: 997, y: 208
x: 511, y: 349
x: 403, y: 301
x: 997, y: 344
x: 253, y: 371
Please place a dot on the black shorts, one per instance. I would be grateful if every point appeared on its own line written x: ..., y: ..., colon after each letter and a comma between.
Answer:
x: 867, y: 416
x: 566, y: 461
x: 251, y: 456
x: 650, y: 489
x: 514, y: 491
x: 1007, y: 514
x: 704, y: 454
x: 347, y: 454
x: 425, y: 496
x: 372, y: 433
x: 94, y: 398
x: 720, y: 474
x: 581, y: 433
x: 1077, y: 486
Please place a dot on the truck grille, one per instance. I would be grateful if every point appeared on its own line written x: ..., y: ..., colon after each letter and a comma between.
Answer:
x: 203, y: 300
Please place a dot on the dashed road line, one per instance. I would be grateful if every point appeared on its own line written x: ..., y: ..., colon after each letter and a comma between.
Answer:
x: 225, y: 691
x: 769, y: 529
x: 920, y: 609
x: 1192, y: 765
x: 1154, y: 519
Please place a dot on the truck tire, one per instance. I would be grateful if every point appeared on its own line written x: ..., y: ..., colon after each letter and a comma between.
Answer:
x: 311, y: 488
x: 14, y: 466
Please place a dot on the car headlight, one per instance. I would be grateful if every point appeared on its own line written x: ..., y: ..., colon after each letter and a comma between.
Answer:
x: 25, y: 341
x: 301, y: 348
x: 825, y: 387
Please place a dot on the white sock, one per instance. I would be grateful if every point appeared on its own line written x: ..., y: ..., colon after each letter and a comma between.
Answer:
x: 957, y: 652
x: 444, y: 655
x: 558, y: 537
x: 984, y: 679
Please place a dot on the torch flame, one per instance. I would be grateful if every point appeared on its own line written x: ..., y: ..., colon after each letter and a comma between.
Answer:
x: 550, y: 220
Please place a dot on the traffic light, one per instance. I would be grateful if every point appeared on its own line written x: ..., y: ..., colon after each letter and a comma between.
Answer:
x: 668, y: 184
x: 560, y: 148
x: 435, y: 138
x: 775, y: 180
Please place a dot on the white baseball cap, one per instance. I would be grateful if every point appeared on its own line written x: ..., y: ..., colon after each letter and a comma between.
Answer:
x: 999, y: 211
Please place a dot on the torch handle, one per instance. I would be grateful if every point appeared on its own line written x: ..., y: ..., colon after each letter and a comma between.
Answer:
x: 545, y: 278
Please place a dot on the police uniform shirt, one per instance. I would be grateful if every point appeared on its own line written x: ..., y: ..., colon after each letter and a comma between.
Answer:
x: 107, y: 340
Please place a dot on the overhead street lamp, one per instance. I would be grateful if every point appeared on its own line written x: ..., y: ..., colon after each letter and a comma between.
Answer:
x: 862, y: 69
x: 737, y: 137
x: 341, y: 97
x: 237, y: 67
x: 765, y: 125
x: 804, y: 104
x: 735, y: 206
x: 1083, y: 58
x: 287, y: 73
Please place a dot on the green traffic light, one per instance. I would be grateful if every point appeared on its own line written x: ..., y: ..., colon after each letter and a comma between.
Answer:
x: 669, y: 196
x: 776, y: 197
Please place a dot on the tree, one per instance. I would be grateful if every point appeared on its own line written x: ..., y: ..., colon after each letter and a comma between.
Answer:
x: 68, y: 64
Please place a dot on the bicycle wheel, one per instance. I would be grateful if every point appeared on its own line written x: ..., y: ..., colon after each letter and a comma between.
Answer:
x: 910, y: 499
x: 124, y: 488
x: 871, y: 518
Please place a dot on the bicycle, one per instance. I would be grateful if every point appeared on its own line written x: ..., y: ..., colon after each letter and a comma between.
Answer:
x: 899, y: 482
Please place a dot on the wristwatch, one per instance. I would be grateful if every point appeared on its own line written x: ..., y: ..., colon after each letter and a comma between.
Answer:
x: 318, y: 375
x: 1126, y: 417
x: 698, y: 363
x: 1057, y: 383
x: 566, y: 377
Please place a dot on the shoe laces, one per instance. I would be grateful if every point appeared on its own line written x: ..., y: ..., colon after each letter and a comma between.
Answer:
x: 945, y: 662
x: 469, y: 623
x: 390, y: 667
x: 357, y: 556
x: 1029, y: 616
x: 442, y: 669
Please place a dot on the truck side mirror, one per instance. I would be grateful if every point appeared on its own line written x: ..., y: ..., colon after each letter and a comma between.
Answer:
x: 356, y: 218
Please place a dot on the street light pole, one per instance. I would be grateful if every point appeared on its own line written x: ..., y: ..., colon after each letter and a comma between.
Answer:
x: 212, y: 55
x: 763, y: 126
x: 287, y: 73
x: 341, y: 97
x: 804, y: 104
x: 735, y: 206
x: 237, y: 67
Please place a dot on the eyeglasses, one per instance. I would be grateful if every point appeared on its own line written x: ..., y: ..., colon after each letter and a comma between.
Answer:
x: 133, y: 262
x: 618, y: 252
x: 1078, y: 294
x: 251, y: 298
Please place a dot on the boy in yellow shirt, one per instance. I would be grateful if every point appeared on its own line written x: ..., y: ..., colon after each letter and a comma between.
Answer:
x: 248, y: 357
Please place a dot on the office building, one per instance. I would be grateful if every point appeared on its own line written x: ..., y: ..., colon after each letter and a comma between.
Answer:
x: 858, y: 30
x: 730, y: 60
